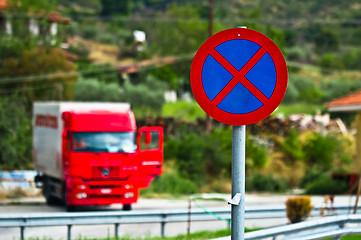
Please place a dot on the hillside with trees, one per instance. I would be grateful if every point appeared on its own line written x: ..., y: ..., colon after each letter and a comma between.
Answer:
x: 136, y: 51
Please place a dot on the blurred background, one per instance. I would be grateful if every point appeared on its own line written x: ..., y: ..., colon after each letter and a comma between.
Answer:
x: 141, y: 51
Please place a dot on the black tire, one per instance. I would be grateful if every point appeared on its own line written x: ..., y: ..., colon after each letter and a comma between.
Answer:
x: 50, y: 200
x: 127, y: 207
x: 71, y: 208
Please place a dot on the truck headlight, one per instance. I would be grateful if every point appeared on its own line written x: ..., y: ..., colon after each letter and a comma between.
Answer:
x: 81, y: 187
x: 128, y: 186
x: 81, y: 195
x: 129, y: 195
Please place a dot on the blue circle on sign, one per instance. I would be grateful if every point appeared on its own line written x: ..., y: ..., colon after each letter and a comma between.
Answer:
x: 262, y: 75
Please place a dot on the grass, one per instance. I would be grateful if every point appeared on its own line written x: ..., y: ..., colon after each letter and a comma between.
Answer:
x: 297, y: 108
x: 353, y: 237
x: 188, y: 111
x: 201, y: 235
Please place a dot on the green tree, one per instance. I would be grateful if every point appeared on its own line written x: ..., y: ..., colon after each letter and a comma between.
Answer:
x: 330, y: 61
x: 256, y: 154
x: 94, y: 90
x: 145, y: 95
x: 320, y: 151
x: 168, y: 75
x: 15, y: 134
x: 292, y: 148
x: 37, y: 70
x: 115, y: 7
x: 326, y: 40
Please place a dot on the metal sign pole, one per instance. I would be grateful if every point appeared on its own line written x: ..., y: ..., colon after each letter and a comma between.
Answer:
x: 238, y: 181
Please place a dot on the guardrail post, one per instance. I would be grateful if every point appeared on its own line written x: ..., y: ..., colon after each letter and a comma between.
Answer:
x: 22, y: 232
x: 116, y: 230
x: 162, y: 225
x: 69, y: 232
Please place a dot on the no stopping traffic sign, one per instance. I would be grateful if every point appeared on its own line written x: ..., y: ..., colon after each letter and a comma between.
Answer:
x: 239, y: 76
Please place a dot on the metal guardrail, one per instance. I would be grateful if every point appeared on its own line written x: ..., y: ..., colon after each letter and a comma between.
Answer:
x: 140, y: 216
x: 333, y: 226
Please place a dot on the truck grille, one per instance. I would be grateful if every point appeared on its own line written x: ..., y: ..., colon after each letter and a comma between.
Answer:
x: 105, y: 196
x: 105, y: 172
x: 104, y: 186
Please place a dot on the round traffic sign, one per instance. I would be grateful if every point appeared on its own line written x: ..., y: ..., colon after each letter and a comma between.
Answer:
x: 239, y: 76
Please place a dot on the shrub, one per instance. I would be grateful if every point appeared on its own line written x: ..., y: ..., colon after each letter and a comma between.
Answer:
x: 310, y: 176
x: 94, y: 90
x: 200, y: 157
x: 89, y: 32
x: 298, y: 208
x: 292, y: 148
x: 320, y: 151
x: 172, y: 183
x: 256, y: 154
x: 326, y: 185
x: 265, y: 183
x: 149, y: 93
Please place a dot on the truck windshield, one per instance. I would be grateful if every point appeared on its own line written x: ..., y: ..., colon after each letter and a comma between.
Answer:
x: 104, y: 142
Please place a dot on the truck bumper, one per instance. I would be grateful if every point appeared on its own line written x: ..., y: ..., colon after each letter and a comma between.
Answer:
x: 82, y: 193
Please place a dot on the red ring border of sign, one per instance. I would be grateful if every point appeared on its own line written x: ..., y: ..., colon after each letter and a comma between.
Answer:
x: 246, y: 118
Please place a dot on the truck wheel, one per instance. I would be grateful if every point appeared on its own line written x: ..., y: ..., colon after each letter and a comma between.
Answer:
x: 71, y: 208
x: 50, y: 200
x: 127, y: 207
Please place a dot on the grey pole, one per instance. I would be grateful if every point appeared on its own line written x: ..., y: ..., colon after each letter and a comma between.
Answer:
x: 238, y: 181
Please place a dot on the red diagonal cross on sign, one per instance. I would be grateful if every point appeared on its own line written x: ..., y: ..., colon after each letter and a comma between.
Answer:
x: 224, y: 99
x: 239, y: 76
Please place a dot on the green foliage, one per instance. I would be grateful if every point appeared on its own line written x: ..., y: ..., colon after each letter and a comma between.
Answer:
x: 94, y: 90
x: 101, y: 72
x: 150, y: 94
x: 320, y: 151
x: 168, y: 75
x: 89, y: 32
x: 115, y: 7
x: 326, y: 185
x: 13, y: 47
x: 15, y: 132
x: 35, y: 65
x: 330, y: 61
x: 256, y: 154
x: 335, y: 88
x: 311, y: 175
x: 297, y: 53
x: 188, y: 152
x: 292, y: 148
x: 265, y: 183
x: 199, y: 156
x: 172, y: 183
x: 352, y: 59
x: 296, y: 108
x: 307, y: 88
x: 202, y: 157
x: 189, y: 111
x: 30, y: 6
x: 298, y: 208
x: 326, y: 40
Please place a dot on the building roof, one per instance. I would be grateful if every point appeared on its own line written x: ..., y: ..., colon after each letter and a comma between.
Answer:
x: 56, y: 17
x: 2, y: 4
x: 350, y: 102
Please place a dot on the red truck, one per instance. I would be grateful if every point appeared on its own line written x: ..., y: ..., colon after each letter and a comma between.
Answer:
x: 91, y: 154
